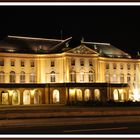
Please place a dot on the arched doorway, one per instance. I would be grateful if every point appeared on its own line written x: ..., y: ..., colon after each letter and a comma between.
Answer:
x: 97, y: 95
x: 5, y: 97
x: 87, y: 95
x: 15, y: 97
x: 37, y: 97
x: 56, y: 96
x: 79, y: 94
x: 116, y: 95
x: 26, y: 97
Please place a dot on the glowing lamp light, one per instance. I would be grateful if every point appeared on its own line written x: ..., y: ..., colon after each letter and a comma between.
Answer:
x: 136, y: 95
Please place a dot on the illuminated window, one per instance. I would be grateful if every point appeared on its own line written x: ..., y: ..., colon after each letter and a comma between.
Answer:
x: 122, y: 78
x: 128, y: 78
x: 37, y: 97
x: 97, y: 95
x: 107, y: 77
x: 32, y: 63
x: 15, y: 98
x: 90, y: 76
x: 52, y: 64
x: 90, y: 62
x: 114, y: 65
x: 72, y: 62
x: 116, y: 95
x: 12, y: 63
x: 26, y: 97
x: 52, y: 76
x: 22, y: 77
x: 121, y: 66
x: 5, y: 98
x: 81, y: 62
x: 1, y: 62
x: 56, y: 96
x: 73, y: 76
x: 72, y: 94
x: 2, y: 77
x: 12, y: 77
x: 107, y: 65
x: 82, y: 76
x: 128, y: 66
x: 22, y: 63
x: 79, y: 94
x: 87, y: 95
x: 32, y: 77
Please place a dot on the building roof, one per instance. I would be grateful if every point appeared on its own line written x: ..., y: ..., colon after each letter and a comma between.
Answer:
x: 106, y: 50
x: 17, y: 44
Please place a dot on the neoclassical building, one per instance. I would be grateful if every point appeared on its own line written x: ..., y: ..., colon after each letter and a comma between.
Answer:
x: 48, y: 71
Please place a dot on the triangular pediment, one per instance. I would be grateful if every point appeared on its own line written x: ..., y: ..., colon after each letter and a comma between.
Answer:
x: 82, y: 49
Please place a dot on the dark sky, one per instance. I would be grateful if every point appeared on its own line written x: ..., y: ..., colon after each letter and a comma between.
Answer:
x: 119, y: 26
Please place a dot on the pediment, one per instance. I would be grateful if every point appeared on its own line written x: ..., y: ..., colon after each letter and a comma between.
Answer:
x: 82, y: 49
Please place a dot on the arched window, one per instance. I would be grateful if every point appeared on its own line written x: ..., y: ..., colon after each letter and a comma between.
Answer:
x: 107, y: 77
x: 15, y: 97
x: 90, y: 76
x: 79, y: 94
x: 26, y: 97
x: 116, y: 95
x: 128, y: 78
x: 32, y: 77
x: 87, y: 95
x: 56, y: 96
x: 37, y: 96
x: 2, y: 77
x: 12, y: 77
x: 122, y: 78
x: 52, y: 76
x: 22, y: 77
x: 5, y: 97
x: 97, y: 95
x: 82, y: 76
x: 73, y: 76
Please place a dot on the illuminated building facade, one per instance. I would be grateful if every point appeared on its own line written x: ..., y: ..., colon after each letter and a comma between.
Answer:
x: 48, y: 71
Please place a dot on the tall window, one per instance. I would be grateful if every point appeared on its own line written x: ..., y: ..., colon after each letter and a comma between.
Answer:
x: 107, y: 65
x: 22, y: 77
x: 114, y: 78
x: 52, y: 76
x: 114, y: 65
x: 90, y: 62
x: 72, y: 62
x: 1, y: 62
x: 12, y: 77
x: 73, y: 76
x: 121, y: 66
x: 128, y: 78
x: 32, y: 77
x: 97, y: 95
x: 82, y: 76
x: 81, y: 62
x: 52, y: 64
x: 122, y: 78
x: 107, y: 77
x: 128, y: 66
x: 13, y: 63
x: 134, y: 66
x: 32, y: 63
x: 22, y: 63
x: 90, y: 76
x: 2, y: 77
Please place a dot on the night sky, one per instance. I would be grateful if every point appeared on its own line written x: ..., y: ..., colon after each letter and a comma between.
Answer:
x: 119, y: 26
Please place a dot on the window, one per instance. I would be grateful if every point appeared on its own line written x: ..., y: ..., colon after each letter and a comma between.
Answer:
x: 12, y: 77
x: 82, y: 76
x: 87, y: 95
x: 128, y: 66
x: 22, y: 77
x: 82, y: 62
x: 22, y: 63
x: 56, y: 96
x: 134, y: 66
x: 52, y: 76
x: 2, y: 77
x: 72, y: 62
x: 32, y: 77
x: 107, y: 77
x: 52, y: 64
x: 90, y: 76
x: 128, y: 78
x: 121, y: 66
x: 13, y: 63
x: 32, y: 63
x: 114, y: 65
x: 79, y: 95
x: 97, y: 95
x: 1, y: 62
x: 107, y: 65
x: 73, y: 76
x: 114, y: 78
x: 90, y: 63
x: 122, y: 78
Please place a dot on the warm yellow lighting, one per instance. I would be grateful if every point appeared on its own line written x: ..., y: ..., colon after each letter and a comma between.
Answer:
x: 136, y: 95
